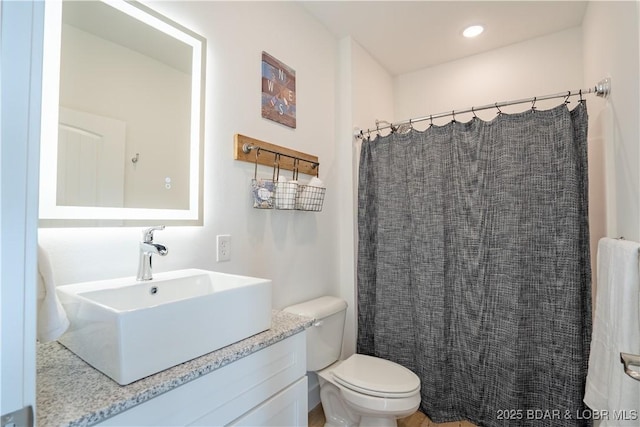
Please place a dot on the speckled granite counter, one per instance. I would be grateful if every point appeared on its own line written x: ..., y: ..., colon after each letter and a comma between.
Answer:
x: 72, y: 393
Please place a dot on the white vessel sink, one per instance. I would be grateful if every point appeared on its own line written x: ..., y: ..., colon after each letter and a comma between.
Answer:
x: 129, y: 330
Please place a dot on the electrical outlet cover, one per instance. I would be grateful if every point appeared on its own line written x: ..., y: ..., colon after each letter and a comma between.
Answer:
x: 223, y: 247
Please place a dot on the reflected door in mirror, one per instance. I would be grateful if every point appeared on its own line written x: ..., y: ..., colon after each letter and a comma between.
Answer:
x: 90, y: 160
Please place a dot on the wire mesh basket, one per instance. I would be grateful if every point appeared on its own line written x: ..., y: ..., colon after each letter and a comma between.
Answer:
x: 286, y: 195
x: 309, y: 198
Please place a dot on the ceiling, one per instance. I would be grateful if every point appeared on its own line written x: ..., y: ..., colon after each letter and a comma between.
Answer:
x: 405, y: 36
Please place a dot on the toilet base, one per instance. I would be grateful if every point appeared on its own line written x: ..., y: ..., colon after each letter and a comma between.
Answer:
x: 336, y: 412
x: 341, y: 413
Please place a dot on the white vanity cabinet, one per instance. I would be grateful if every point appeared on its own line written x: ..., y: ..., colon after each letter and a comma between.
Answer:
x: 265, y: 388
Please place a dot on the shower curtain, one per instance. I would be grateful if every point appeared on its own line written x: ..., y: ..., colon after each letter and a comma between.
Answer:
x: 473, y: 265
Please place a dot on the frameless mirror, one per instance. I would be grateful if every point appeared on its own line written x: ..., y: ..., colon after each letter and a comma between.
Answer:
x: 122, y: 126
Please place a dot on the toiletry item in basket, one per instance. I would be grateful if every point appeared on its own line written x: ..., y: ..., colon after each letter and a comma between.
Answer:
x: 316, y: 182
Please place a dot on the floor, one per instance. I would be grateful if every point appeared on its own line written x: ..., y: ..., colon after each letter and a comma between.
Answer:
x: 316, y: 419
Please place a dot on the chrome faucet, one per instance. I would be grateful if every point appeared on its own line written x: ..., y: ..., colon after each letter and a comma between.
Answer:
x: 147, y: 249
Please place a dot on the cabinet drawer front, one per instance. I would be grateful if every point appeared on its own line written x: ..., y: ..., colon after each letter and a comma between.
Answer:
x: 226, y: 393
x: 287, y: 408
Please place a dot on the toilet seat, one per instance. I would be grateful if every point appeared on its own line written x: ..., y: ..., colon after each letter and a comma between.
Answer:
x: 376, y: 377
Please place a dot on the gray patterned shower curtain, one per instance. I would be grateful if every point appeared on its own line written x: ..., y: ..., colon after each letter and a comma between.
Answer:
x: 473, y: 265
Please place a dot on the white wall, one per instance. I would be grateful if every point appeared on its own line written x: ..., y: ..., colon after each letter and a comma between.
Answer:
x: 611, y: 49
x: 297, y: 250
x: 373, y: 90
x: 366, y: 90
x: 539, y: 66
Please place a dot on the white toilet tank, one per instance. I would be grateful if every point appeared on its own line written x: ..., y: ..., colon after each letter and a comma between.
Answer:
x: 324, y: 338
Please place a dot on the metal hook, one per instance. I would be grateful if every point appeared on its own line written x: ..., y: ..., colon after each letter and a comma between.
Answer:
x: 498, y: 108
x: 566, y: 99
x: 276, y: 166
x: 255, y: 170
x: 431, y: 121
x: 581, y: 100
x: 533, y: 103
x: 474, y: 112
x: 453, y: 113
x: 296, y: 165
x: 135, y: 159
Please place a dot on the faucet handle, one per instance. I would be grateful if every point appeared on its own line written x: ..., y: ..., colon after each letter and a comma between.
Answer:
x: 147, y: 235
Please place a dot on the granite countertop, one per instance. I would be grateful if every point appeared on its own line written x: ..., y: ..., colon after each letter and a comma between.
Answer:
x: 72, y: 393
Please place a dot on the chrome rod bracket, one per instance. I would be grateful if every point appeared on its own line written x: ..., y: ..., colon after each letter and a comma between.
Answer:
x: 603, y: 88
x: 246, y: 148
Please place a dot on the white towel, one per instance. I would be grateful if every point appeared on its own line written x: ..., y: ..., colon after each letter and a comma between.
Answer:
x: 52, y: 319
x: 616, y: 328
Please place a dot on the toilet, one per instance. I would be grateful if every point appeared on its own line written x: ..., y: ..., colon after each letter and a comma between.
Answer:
x: 361, y: 390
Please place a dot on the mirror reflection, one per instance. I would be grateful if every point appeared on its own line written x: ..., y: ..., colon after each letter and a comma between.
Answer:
x: 128, y: 132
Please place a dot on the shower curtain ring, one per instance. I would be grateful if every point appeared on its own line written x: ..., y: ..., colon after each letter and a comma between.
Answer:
x: 474, y: 112
x: 453, y: 113
x: 431, y: 121
x: 498, y: 108
x: 566, y: 99
x: 580, y: 92
x: 533, y: 103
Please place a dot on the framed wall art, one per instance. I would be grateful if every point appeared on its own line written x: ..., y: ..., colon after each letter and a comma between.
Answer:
x: 278, y: 91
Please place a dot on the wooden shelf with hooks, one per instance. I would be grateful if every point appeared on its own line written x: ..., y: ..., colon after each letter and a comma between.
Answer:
x: 308, y: 164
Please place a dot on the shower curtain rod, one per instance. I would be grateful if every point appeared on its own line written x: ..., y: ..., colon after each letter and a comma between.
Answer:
x: 601, y: 89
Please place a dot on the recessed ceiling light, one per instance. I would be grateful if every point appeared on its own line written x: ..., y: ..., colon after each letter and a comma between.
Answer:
x: 473, y: 31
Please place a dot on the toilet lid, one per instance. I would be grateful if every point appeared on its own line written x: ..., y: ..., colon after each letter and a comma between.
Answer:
x: 376, y: 377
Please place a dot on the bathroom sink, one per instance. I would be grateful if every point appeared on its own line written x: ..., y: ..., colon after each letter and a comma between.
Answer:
x: 129, y: 329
